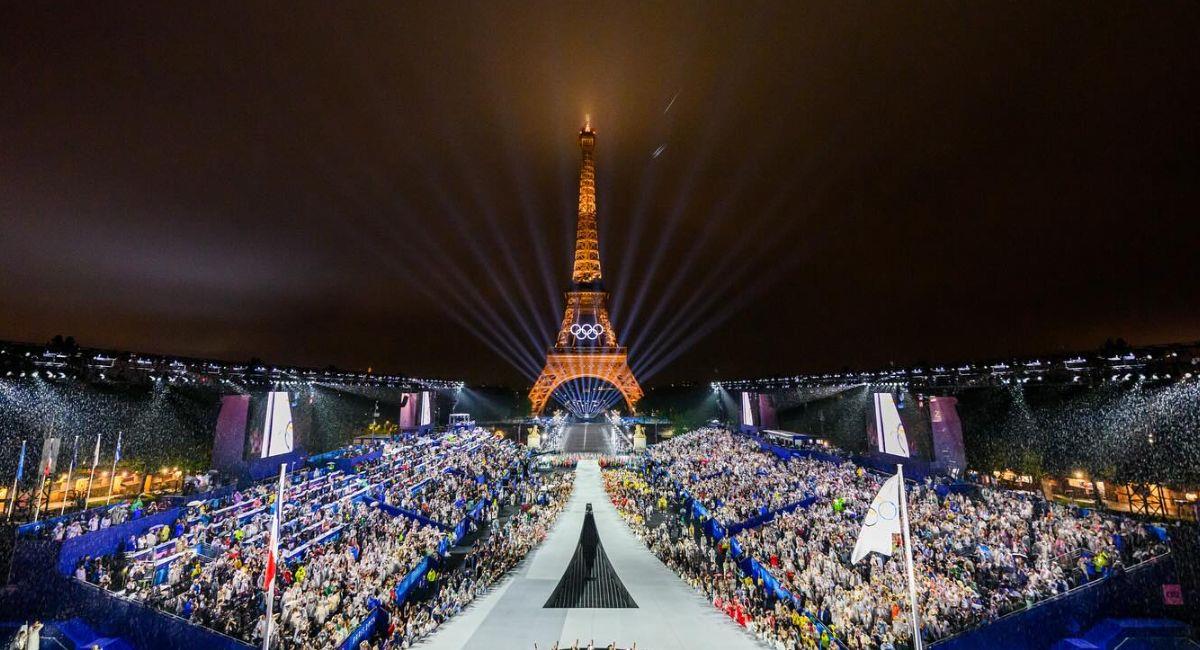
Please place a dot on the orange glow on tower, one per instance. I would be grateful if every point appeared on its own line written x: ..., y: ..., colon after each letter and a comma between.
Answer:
x: 586, y: 346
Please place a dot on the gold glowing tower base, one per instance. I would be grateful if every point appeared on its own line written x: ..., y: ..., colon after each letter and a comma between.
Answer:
x: 587, y: 345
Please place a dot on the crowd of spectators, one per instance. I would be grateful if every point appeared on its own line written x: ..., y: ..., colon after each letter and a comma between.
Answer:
x: 345, y: 546
x: 520, y: 522
x: 978, y: 553
x: 95, y: 519
x: 662, y: 520
x: 446, y: 496
x: 553, y: 434
x: 563, y: 461
x: 88, y: 521
x: 728, y: 474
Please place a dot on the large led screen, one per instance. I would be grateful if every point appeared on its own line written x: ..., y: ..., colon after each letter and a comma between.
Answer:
x: 278, y: 422
x: 889, y: 429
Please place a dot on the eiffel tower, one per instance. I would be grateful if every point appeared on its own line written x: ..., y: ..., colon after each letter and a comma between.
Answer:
x: 587, y: 345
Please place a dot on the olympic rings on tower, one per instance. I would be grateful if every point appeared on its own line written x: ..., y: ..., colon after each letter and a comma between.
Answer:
x: 587, y: 331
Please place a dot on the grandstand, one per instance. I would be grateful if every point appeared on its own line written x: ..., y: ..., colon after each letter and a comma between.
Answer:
x: 713, y: 535
x: 576, y: 326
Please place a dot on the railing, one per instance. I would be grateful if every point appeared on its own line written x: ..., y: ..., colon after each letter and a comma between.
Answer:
x: 1066, y: 560
x: 591, y: 349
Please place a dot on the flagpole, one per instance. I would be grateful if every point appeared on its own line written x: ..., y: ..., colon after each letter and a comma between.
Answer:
x: 273, y: 543
x: 12, y: 498
x: 70, y: 474
x: 92, y: 476
x: 908, y: 561
x: 37, y: 507
x: 45, y: 467
x: 112, y: 476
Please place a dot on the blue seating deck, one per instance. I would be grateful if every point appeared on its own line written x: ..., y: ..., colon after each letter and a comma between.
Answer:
x: 1132, y: 634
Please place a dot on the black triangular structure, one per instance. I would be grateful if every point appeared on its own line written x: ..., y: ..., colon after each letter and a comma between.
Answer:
x: 590, y: 580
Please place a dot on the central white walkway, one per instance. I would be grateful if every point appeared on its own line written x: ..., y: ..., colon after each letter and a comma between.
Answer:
x: 670, y: 615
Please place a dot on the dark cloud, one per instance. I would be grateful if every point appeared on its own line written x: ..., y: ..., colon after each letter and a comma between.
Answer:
x: 393, y: 185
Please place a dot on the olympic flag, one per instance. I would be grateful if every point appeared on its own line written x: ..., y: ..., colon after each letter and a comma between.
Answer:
x: 888, y: 516
x: 881, y: 522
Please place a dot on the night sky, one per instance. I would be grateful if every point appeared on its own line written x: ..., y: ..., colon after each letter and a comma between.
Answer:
x: 393, y: 185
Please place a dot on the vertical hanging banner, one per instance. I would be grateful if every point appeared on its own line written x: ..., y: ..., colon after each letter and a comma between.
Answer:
x: 229, y: 438
x: 948, y: 447
x: 426, y: 408
x: 408, y: 410
x: 766, y: 412
x: 890, y: 436
x: 747, y: 410
x: 278, y: 428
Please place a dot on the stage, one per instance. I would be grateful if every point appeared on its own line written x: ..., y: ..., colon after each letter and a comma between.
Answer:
x: 669, y: 614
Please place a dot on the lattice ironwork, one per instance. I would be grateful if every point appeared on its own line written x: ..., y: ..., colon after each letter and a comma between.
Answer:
x: 587, y: 236
x: 586, y: 346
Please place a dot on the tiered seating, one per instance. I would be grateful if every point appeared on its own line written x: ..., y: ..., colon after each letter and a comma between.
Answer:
x: 531, y: 508
x: 347, y: 540
x: 977, y: 556
x: 729, y: 475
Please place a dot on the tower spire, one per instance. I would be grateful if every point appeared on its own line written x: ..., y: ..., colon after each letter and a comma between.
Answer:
x: 587, y: 237
x: 586, y: 349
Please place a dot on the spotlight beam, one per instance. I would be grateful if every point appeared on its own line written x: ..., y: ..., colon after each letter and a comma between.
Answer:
x: 770, y: 215
x: 447, y: 205
x: 672, y: 222
x: 668, y: 294
x: 540, y: 253
x: 471, y: 240
x: 513, y: 353
x: 485, y: 207
x: 671, y: 333
x: 633, y: 241
x: 492, y: 320
x: 370, y: 174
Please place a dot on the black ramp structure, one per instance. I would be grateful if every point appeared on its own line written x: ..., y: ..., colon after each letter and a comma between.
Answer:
x: 590, y: 580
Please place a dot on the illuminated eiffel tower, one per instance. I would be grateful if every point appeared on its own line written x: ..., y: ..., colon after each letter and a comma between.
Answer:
x: 587, y: 346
